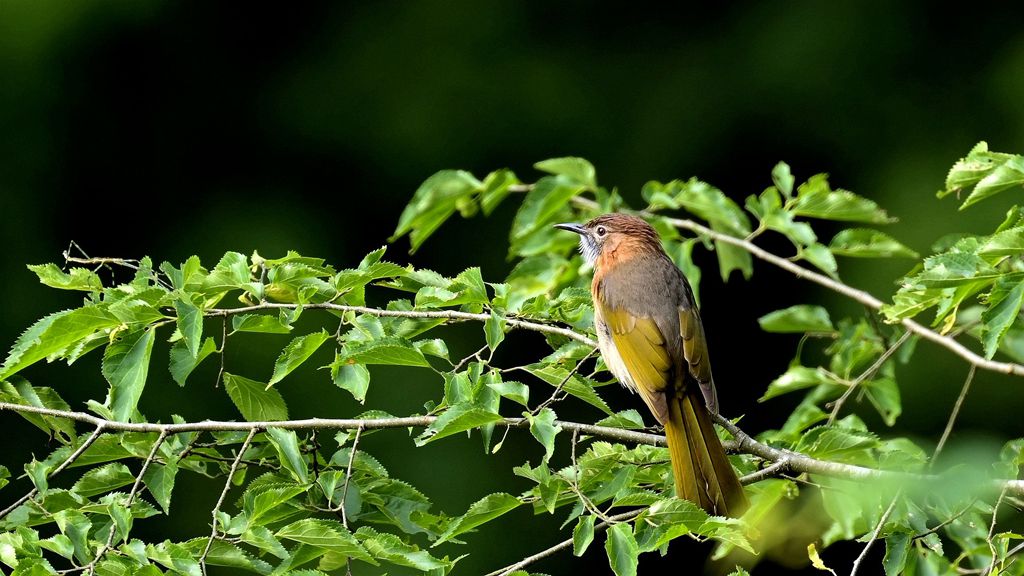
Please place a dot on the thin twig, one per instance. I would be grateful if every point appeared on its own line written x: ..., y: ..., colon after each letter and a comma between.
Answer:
x: 624, y: 517
x: 223, y: 494
x: 575, y: 486
x: 67, y: 462
x: 614, y: 519
x: 223, y: 352
x: 348, y: 477
x: 743, y: 442
x: 91, y: 566
x: 992, y: 530
x: 874, y: 534
x: 952, y: 416
x: 860, y: 296
x: 554, y: 395
x: 435, y: 314
x: 769, y: 471
x: 838, y: 405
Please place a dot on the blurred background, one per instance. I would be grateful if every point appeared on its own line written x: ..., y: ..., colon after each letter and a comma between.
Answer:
x: 176, y: 128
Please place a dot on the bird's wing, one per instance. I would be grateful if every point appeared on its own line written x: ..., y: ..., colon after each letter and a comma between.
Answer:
x: 695, y: 352
x: 641, y: 347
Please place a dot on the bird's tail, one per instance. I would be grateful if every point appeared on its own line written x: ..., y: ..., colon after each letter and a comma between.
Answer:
x: 702, y: 472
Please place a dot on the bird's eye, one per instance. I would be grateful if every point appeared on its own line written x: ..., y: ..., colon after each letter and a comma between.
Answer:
x: 601, y: 231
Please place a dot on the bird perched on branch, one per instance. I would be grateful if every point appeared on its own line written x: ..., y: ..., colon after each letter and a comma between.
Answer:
x: 651, y: 337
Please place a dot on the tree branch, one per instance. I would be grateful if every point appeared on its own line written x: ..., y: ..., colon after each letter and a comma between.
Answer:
x: 623, y: 517
x: 796, y: 462
x: 436, y: 314
x: 220, y: 501
x: 70, y: 459
x: 860, y: 296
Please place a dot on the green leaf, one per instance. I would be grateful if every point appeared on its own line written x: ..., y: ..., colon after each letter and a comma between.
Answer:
x: 390, y: 548
x: 514, y: 391
x: 327, y: 535
x: 352, y: 377
x: 295, y: 353
x: 227, y: 554
x: 1009, y: 174
x: 387, y: 350
x: 819, y: 255
x: 265, y: 323
x: 622, y: 549
x: 53, y: 334
x: 628, y: 419
x: 190, y: 324
x: 433, y: 347
x: 884, y: 395
x: 76, y: 526
x: 125, y: 366
x: 484, y: 510
x: 458, y: 418
x: 494, y: 330
x: 1003, y: 309
x: 543, y: 428
x: 262, y: 538
x: 183, y: 363
x: 103, y: 479
x: 17, y: 390
x: 582, y: 535
x: 815, y: 199
x: 1009, y: 242
x: 783, y: 179
x: 433, y: 203
x: 159, y: 479
x: 796, y: 378
x: 254, y: 400
x: 710, y: 204
x: 230, y: 273
x: 799, y: 318
x: 497, y: 185
x: 867, y: 243
x: 839, y: 444
x: 897, y: 548
x: 970, y: 169
x: 287, y: 444
x: 576, y: 385
x: 543, y: 203
x: 74, y: 279
x: 952, y: 269
x: 578, y: 170
x: 261, y: 503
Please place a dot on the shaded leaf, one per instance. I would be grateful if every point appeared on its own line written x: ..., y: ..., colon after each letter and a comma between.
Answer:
x: 183, y: 363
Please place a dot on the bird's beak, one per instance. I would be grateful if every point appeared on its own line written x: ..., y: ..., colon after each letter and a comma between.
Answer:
x: 571, y: 227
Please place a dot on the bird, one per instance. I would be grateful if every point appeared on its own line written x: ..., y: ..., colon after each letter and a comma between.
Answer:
x: 652, y: 340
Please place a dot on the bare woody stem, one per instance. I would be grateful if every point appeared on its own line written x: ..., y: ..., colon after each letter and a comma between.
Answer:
x: 743, y: 443
x: 511, y: 322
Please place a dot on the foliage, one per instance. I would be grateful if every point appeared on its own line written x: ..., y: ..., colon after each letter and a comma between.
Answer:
x: 296, y: 505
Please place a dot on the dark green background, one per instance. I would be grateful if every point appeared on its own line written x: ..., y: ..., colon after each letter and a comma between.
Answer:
x: 180, y: 128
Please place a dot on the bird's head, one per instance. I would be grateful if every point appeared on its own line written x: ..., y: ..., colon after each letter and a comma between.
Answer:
x: 612, y: 231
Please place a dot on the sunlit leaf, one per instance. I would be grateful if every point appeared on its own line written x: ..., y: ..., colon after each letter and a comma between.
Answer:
x: 255, y: 400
